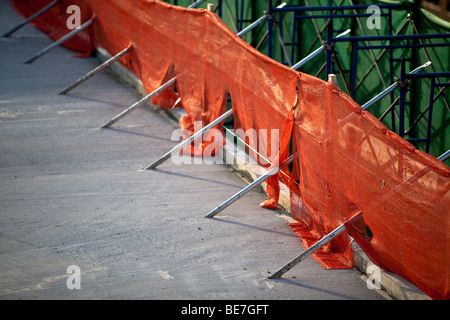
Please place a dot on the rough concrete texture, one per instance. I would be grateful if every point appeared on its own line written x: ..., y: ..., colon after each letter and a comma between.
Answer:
x: 74, y: 194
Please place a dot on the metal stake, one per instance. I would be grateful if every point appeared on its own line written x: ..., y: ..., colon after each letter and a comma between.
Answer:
x: 319, y: 244
x: 305, y: 254
x: 251, y: 186
x: 137, y: 104
x: 31, y: 18
x: 57, y: 43
x: 189, y: 140
x: 90, y: 74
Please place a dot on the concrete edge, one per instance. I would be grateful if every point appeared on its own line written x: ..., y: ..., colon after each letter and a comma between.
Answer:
x: 392, y: 286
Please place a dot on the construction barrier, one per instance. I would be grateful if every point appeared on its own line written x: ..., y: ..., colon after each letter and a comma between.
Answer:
x: 349, y: 168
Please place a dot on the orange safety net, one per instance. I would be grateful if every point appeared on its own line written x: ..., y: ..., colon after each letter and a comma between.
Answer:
x: 347, y: 161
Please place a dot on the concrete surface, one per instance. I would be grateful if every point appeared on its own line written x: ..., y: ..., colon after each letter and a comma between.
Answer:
x: 74, y: 194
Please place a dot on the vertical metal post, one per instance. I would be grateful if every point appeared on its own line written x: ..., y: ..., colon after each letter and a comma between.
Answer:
x: 241, y: 22
x: 294, y: 35
x: 31, y: 18
x: 57, y: 43
x: 270, y: 33
x: 401, y: 122
x: 430, y: 114
x: 355, y: 45
x: 219, y: 5
x: 93, y: 72
x: 391, y: 66
x: 329, y: 49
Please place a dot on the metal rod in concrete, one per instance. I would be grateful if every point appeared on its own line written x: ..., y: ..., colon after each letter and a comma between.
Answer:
x: 319, y: 244
x: 31, y: 18
x: 137, y: 104
x: 57, y: 43
x: 391, y: 88
x: 93, y: 72
x: 184, y: 143
x: 251, y: 186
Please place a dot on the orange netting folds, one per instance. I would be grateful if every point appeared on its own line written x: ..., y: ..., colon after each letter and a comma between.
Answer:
x: 347, y: 161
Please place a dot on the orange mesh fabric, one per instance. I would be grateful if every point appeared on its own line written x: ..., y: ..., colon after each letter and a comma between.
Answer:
x: 347, y: 162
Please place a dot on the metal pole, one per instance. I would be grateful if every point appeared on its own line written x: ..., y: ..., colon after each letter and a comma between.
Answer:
x: 57, y: 43
x: 189, y: 140
x: 95, y: 71
x: 137, y: 104
x: 31, y: 18
x: 196, y: 4
x: 316, y: 52
x: 444, y: 156
x: 319, y: 244
x: 391, y: 88
x: 380, y: 96
x: 251, y: 186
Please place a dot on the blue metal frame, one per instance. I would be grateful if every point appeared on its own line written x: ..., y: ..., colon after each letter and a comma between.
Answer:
x: 275, y: 15
x: 433, y: 76
x: 332, y: 15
